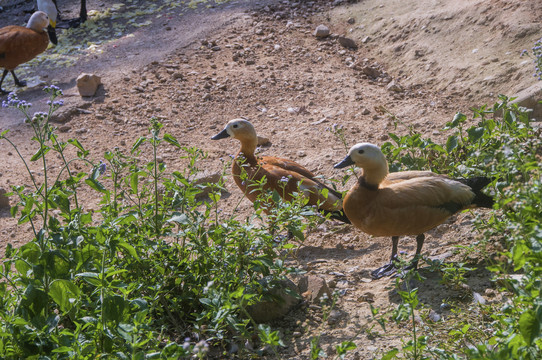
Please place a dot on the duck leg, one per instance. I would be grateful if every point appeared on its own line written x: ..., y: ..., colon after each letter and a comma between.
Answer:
x: 17, y: 81
x: 2, y: 91
x: 390, y: 268
x: 419, y: 243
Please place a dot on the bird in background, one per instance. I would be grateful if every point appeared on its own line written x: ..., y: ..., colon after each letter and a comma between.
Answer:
x: 284, y: 176
x: 404, y: 203
x: 19, y: 44
x: 50, y: 7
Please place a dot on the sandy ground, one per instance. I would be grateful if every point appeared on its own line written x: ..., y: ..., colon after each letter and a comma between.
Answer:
x: 195, y: 69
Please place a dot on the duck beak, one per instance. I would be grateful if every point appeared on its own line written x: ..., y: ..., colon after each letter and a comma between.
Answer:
x: 347, y: 161
x: 221, y: 135
x: 52, y: 34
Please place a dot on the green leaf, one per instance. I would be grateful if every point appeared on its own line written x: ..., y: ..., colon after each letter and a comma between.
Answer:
x: 172, y: 140
x: 451, y: 143
x: 529, y: 326
x: 96, y: 185
x: 138, y: 143
x: 475, y: 133
x: 114, y: 307
x: 134, y: 181
x: 42, y: 151
x: 131, y: 250
x: 77, y: 144
x: 390, y: 354
x: 64, y: 293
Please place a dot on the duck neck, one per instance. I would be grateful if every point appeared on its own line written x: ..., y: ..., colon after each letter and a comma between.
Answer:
x: 373, y: 176
x: 248, y: 147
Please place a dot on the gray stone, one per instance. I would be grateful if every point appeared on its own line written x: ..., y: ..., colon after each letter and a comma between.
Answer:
x: 87, y: 84
x: 434, y: 316
x: 313, y: 288
x: 263, y: 141
x: 347, y: 42
x: 394, y: 86
x: 203, y: 179
x: 530, y: 98
x: 279, y: 297
x: 371, y: 71
x: 321, y: 31
x: 4, y: 200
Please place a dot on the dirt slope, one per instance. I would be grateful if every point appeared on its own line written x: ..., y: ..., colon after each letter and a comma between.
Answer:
x: 264, y: 63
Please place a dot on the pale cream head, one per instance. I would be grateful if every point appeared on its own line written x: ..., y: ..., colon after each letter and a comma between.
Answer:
x: 366, y: 155
x: 38, y: 21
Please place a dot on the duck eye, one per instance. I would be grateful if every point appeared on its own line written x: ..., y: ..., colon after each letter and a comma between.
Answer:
x: 235, y: 126
x: 361, y: 151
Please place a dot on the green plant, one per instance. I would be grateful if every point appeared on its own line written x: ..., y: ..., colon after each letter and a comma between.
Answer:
x: 153, y: 263
x: 502, y: 144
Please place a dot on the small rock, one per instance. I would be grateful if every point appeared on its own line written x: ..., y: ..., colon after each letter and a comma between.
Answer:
x: 394, y: 86
x: 321, y: 31
x: 64, y: 128
x: 434, y: 316
x: 203, y: 179
x: 4, y: 200
x: 347, y: 42
x: 351, y: 20
x: 445, y: 306
x: 87, y: 84
x: 313, y: 287
x: 301, y: 153
x: 365, y: 111
x: 479, y: 299
x: 371, y: 71
x: 276, y: 302
x: 334, y: 317
x: 367, y: 297
x: 263, y: 141
x: 365, y: 39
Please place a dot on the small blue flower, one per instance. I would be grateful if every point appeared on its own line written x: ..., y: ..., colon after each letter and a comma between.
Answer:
x: 102, y: 168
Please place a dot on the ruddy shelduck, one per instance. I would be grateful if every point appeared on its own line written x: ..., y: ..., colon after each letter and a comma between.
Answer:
x: 20, y: 44
x: 252, y: 173
x: 404, y: 203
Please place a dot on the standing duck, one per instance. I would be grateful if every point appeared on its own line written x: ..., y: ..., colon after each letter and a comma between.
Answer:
x: 404, y: 203
x: 281, y: 175
x: 20, y: 44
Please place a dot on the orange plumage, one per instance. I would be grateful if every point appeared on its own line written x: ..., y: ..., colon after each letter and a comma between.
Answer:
x: 20, y: 44
x: 281, y: 175
x: 404, y: 203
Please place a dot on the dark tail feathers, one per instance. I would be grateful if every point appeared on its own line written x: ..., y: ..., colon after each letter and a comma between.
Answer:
x: 477, y: 184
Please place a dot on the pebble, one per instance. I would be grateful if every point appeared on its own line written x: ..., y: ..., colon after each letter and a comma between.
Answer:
x: 347, y: 42
x: 321, y: 31
x: 434, y: 316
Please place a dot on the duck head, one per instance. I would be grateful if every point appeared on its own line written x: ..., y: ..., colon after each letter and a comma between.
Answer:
x: 38, y: 21
x: 370, y: 158
x: 241, y: 130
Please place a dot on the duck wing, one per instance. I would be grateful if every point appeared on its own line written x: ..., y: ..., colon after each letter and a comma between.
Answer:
x: 287, y: 181
x: 286, y: 164
x: 434, y: 191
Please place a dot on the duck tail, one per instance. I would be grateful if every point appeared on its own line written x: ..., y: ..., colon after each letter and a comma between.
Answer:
x: 477, y: 184
x: 337, y: 215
